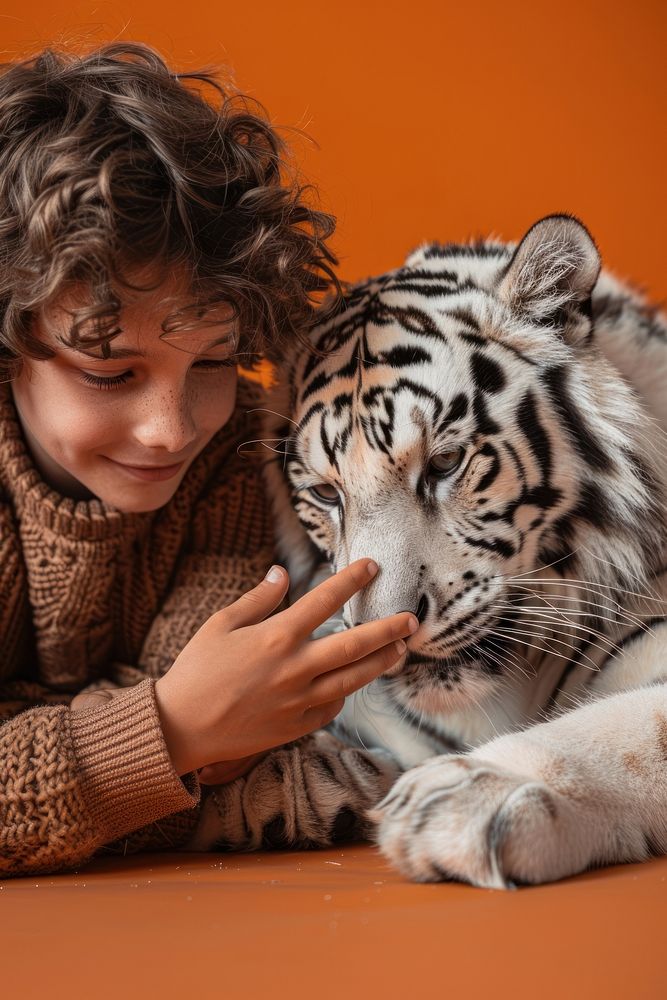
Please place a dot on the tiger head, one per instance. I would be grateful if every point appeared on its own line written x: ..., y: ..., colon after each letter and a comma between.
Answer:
x: 459, y: 423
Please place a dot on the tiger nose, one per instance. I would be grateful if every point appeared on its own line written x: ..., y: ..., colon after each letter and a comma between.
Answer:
x: 421, y: 611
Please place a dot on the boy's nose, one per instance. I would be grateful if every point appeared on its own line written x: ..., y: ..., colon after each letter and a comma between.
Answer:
x: 166, y: 425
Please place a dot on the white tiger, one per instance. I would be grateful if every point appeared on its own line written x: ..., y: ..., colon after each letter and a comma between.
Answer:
x: 487, y: 423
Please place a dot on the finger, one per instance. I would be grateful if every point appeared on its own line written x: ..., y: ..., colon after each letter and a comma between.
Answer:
x: 259, y: 602
x: 319, y: 716
x: 322, y: 601
x: 346, y: 680
x: 93, y: 699
x: 341, y: 648
x: 224, y: 771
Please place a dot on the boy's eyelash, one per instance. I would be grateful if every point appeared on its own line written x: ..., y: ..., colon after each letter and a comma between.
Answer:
x: 112, y: 381
x: 104, y: 383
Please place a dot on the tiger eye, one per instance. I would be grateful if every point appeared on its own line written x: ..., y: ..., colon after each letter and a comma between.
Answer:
x: 446, y: 462
x: 325, y: 492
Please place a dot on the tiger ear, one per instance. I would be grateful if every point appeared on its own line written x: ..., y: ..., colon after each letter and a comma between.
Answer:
x: 553, y: 272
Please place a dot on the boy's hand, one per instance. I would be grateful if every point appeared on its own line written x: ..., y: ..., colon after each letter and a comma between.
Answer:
x: 244, y: 684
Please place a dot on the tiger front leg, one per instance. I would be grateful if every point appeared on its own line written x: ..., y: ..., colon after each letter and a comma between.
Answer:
x: 310, y: 793
x: 589, y: 788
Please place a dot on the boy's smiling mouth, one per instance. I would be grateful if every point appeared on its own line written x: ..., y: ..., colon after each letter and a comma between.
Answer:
x: 150, y: 472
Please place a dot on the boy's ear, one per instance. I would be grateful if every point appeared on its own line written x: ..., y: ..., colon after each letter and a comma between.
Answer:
x: 553, y: 272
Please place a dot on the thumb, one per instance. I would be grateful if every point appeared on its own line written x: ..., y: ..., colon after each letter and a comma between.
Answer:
x: 258, y: 603
x: 93, y: 699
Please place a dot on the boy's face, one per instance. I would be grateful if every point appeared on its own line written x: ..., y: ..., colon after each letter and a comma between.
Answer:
x: 126, y: 429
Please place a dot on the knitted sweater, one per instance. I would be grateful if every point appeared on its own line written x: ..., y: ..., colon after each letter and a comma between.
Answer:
x: 92, y: 597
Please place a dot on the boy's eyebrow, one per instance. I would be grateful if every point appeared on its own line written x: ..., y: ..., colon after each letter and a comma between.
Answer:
x: 114, y: 353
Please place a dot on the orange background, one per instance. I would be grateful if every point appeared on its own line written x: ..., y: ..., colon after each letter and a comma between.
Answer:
x: 435, y: 120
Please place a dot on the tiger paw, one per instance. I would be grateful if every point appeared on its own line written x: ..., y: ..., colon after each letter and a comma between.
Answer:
x: 463, y: 818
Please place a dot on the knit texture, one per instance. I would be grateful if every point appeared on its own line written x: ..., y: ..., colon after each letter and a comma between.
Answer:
x: 89, y: 598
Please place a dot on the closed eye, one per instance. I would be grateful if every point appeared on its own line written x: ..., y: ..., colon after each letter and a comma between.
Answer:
x: 113, y: 381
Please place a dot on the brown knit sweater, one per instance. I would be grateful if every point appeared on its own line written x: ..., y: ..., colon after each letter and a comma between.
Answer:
x: 91, y: 597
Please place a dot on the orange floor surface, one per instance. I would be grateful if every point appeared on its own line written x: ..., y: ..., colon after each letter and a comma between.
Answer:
x: 329, y: 924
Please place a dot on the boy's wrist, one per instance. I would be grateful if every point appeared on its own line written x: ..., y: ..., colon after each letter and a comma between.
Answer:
x: 127, y: 780
x: 178, y: 745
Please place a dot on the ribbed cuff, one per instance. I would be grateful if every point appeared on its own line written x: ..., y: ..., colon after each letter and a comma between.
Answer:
x: 127, y: 776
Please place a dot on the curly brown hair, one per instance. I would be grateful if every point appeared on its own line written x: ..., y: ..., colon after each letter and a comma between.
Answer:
x: 112, y: 161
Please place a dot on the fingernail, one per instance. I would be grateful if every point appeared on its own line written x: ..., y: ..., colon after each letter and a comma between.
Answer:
x: 400, y: 646
x: 372, y: 567
x: 274, y: 575
x: 413, y: 623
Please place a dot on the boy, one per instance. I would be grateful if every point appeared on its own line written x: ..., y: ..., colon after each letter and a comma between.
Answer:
x: 149, y: 242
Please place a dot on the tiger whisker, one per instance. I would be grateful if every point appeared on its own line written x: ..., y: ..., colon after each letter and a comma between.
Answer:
x: 622, y: 615
x: 264, y: 441
x: 584, y: 614
x: 266, y: 409
x: 503, y: 663
x: 503, y: 576
x: 542, y: 649
x: 260, y: 441
x: 560, y: 615
x: 618, y: 612
x: 549, y: 638
x: 523, y: 644
x: 609, y: 643
x: 547, y: 620
x: 588, y: 583
x: 608, y: 563
x: 476, y: 701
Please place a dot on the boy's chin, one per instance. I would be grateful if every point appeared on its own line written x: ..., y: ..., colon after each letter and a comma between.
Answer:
x: 118, y: 490
x: 142, y: 505
x: 141, y: 499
